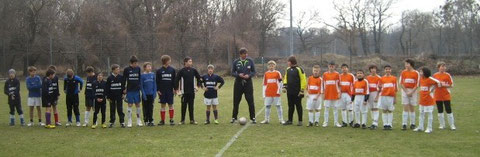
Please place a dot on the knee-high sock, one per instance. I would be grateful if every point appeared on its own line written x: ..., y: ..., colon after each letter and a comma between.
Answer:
x: 310, y: 116
x: 55, y: 115
x: 412, y: 118
x: 325, y: 115
x: 129, y: 113
x: 350, y: 116
x: 317, y: 116
x: 139, y: 111
x: 208, y: 115
x: 280, y: 112
x: 268, y: 109
x: 385, y: 118
x: 171, y: 112
x: 47, y: 117
x: 430, y: 120
x: 390, y: 119
x: 162, y: 114
x: 335, y: 115
x: 357, y: 117
x: 364, y: 118
x: 451, y: 120
x: 215, y: 114
x: 421, y: 119
x: 404, y: 117
x: 345, y: 116
x: 87, y: 115
x: 441, y: 120
x: 375, y: 117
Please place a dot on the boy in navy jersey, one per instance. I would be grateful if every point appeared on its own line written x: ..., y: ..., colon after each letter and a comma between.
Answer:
x: 186, y: 83
x: 89, y: 92
x: 132, y: 76
x: 210, y: 83
x: 56, y: 92
x: 115, y: 95
x: 73, y: 85
x: 100, y: 102
x: 12, y: 90
x: 165, y: 89
x: 49, y: 96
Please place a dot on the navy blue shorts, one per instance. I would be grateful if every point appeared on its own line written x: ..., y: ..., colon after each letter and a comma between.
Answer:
x: 166, y: 98
x: 89, y: 102
x: 133, y: 97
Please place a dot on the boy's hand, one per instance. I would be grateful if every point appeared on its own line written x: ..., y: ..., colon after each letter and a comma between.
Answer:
x: 246, y: 76
x: 301, y: 94
x: 216, y: 88
x: 159, y: 93
x: 284, y: 90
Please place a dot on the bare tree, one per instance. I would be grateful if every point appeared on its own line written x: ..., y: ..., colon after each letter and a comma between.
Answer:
x: 268, y: 15
x: 379, y: 14
x: 305, y: 31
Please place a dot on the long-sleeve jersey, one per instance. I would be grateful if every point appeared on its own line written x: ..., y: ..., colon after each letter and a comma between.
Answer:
x: 165, y: 79
x: 294, y: 80
x: 149, y: 86
x: 132, y: 76
x: 48, y: 90
x: 56, y: 89
x: 34, y: 86
x: 12, y: 87
x: 72, y: 85
x: 89, y: 92
x: 99, y: 88
x: 210, y: 82
x: 115, y: 86
x: 186, y: 80
x: 246, y: 67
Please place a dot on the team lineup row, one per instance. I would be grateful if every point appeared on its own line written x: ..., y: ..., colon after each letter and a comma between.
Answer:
x: 351, y: 95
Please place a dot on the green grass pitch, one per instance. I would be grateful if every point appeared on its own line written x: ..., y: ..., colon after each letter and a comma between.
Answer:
x: 257, y: 140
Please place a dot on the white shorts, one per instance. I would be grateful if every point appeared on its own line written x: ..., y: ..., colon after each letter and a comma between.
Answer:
x: 330, y: 103
x: 314, y: 104
x: 345, y: 102
x: 410, y: 100
x: 386, y: 103
x: 34, y: 101
x: 272, y: 101
x: 426, y: 108
x: 213, y: 101
x: 358, y: 104
x: 371, y: 100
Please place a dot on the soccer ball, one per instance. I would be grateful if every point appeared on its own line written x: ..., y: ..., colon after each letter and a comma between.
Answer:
x: 242, y: 121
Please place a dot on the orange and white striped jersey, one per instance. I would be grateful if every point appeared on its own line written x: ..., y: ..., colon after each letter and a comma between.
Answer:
x: 388, y: 85
x: 427, y: 85
x: 331, y: 85
x: 346, y: 83
x: 443, y: 93
x: 314, y: 85
x: 361, y: 87
x: 272, y: 82
x: 409, y: 79
x: 373, y: 82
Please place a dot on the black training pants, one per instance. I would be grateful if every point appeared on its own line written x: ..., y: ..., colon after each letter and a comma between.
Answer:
x: 188, y: 101
x: 294, y: 101
x: 243, y: 87
x: 147, y: 106
x: 116, y: 104
x: 72, y: 105
x: 100, y: 106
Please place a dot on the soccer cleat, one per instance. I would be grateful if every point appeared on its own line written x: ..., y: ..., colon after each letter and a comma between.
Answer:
x: 78, y: 124
x: 161, y: 123
x: 288, y: 123
x: 356, y: 125
x: 104, y: 125
x: 351, y: 124
x: 85, y: 124
x: 428, y: 131
x: 139, y: 123
x: 282, y: 122
x: 453, y: 128
x: 441, y: 127
x: 390, y: 127
x: 216, y: 121
x: 193, y: 122
x: 265, y: 122
x: 207, y: 122
x: 42, y: 124
x: 373, y: 127
x: 110, y: 125
x: 412, y: 126
x: 94, y: 126
x: 418, y: 129
x: 385, y: 127
x: 68, y: 124
x: 364, y: 126
x: 181, y: 123
x: 338, y: 125
x: 310, y: 124
x: 317, y: 124
x: 404, y: 127
x: 325, y: 125
x: 299, y: 123
x: 345, y: 124
x: 233, y: 120
x: 58, y: 124
x: 172, y: 123
x: 30, y: 124
x: 129, y: 125
x: 254, y: 121
x: 122, y: 125
x: 50, y: 126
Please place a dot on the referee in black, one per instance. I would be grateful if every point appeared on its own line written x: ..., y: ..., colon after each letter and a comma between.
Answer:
x: 243, y: 70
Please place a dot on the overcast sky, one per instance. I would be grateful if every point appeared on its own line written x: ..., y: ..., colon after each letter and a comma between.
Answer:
x: 327, y: 12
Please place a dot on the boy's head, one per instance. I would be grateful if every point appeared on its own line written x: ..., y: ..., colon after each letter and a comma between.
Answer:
x: 360, y: 74
x: 187, y: 61
x: 70, y: 73
x: 116, y: 69
x: 425, y: 72
x: 316, y: 70
x: 147, y: 66
x: 53, y: 67
x: 344, y: 68
x: 373, y: 69
x: 133, y: 61
x: 99, y: 76
x: 388, y: 69
x: 210, y: 69
x: 32, y: 70
x: 292, y: 61
x: 331, y: 66
x: 90, y: 71
x: 271, y: 65
x: 12, y: 73
x: 50, y: 73
x: 442, y: 66
x: 409, y: 64
x: 243, y: 52
x: 165, y: 60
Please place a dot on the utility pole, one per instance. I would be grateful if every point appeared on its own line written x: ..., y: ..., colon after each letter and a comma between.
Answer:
x: 291, y: 29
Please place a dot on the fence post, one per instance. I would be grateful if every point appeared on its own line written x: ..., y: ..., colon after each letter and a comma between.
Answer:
x: 4, y: 69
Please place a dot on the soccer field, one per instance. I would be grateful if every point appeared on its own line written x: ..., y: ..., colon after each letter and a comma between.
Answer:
x: 255, y: 140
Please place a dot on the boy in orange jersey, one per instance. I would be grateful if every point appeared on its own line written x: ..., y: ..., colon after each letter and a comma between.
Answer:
x: 373, y: 80
x: 331, y: 80
x: 346, y: 88
x: 360, y: 97
x: 315, y: 96
x: 409, y: 79
x: 442, y: 95
x: 272, y: 87
x: 427, y: 102
x: 386, y: 97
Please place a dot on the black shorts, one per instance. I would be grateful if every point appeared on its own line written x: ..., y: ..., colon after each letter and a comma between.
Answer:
x: 89, y: 102
x: 14, y: 102
x: 49, y: 103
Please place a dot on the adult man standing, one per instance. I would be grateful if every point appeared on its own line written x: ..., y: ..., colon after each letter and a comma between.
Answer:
x: 243, y: 70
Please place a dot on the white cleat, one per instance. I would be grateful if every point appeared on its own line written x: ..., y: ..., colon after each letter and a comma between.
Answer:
x: 85, y: 124
x: 338, y: 125
x: 325, y: 125
x: 265, y: 122
x: 68, y: 124
x: 282, y: 122
x: 418, y: 129
x: 428, y: 131
x: 139, y: 123
x: 453, y: 128
x: 42, y: 124
x: 129, y: 125
x: 30, y: 124
x: 441, y: 127
x: 78, y: 124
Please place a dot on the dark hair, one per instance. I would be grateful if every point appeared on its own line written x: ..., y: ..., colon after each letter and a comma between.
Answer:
x: 441, y: 63
x: 372, y: 67
x: 146, y: 64
x: 53, y: 67
x: 387, y: 66
x: 361, y: 71
x: 243, y: 50
x: 426, y: 72
x: 32, y: 68
x: 133, y: 59
x: 292, y: 59
x: 186, y: 59
x: 50, y: 72
x: 165, y: 59
x: 344, y: 65
x: 411, y: 62
x: 331, y: 63
x: 115, y: 66
x: 89, y: 69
